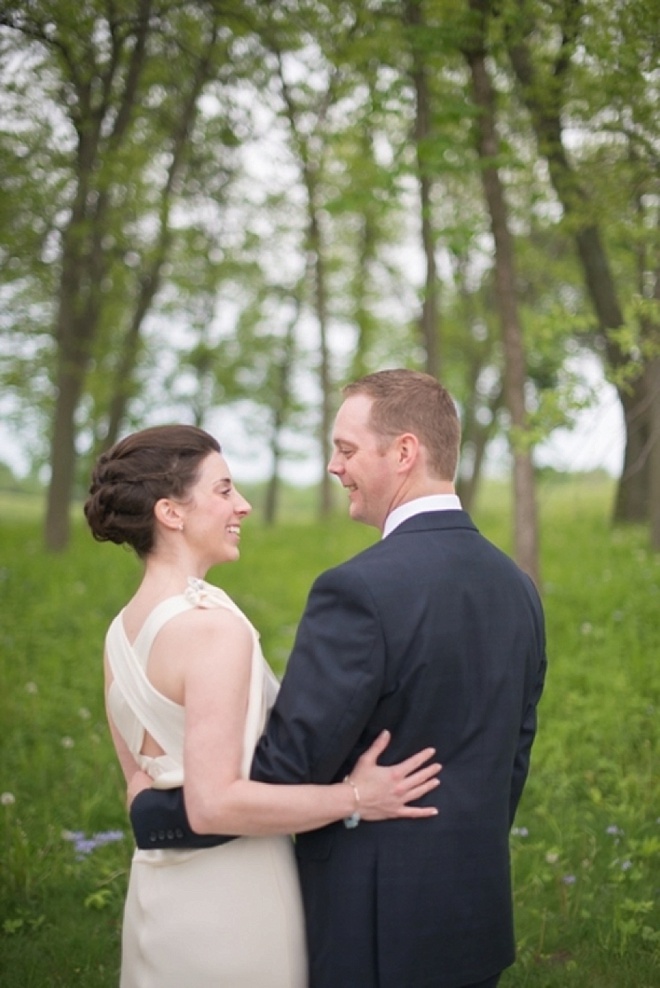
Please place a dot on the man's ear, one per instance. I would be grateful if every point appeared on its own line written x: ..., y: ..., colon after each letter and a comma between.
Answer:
x: 168, y: 513
x: 407, y: 450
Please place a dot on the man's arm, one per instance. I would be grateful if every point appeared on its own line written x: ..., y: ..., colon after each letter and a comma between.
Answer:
x: 529, y: 723
x: 333, y: 681
x: 158, y: 818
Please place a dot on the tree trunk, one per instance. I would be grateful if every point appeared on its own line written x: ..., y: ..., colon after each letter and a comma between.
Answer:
x: 310, y: 166
x: 632, y: 496
x: 281, y: 405
x: 83, y: 267
x: 361, y: 281
x: 526, y: 542
x: 317, y: 257
x: 477, y: 436
x: 429, y: 321
x: 63, y: 453
x: 271, y: 500
x: 545, y: 108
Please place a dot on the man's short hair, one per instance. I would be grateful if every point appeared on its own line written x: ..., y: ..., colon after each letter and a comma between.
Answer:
x: 411, y: 401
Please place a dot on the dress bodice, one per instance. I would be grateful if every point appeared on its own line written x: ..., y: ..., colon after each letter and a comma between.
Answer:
x: 136, y: 707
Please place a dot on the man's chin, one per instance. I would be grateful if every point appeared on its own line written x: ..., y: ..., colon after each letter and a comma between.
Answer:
x: 355, y: 514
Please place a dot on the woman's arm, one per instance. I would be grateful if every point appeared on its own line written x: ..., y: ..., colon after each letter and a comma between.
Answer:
x: 216, y: 649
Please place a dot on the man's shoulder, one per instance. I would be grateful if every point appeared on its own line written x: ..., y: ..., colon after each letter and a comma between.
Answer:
x: 355, y: 568
x: 395, y: 543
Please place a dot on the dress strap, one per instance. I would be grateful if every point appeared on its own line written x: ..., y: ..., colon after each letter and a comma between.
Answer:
x: 161, y: 614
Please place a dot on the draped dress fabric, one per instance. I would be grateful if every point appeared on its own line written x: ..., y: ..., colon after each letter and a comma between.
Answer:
x: 220, y: 917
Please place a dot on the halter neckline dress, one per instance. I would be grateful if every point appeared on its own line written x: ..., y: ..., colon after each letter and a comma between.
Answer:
x: 221, y: 917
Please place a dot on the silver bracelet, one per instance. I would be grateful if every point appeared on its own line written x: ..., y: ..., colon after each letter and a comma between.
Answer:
x: 352, y: 821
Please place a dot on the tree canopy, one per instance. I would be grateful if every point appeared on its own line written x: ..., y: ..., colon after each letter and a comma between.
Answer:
x: 246, y: 204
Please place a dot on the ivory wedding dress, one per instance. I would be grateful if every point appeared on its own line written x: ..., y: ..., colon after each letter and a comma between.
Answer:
x: 222, y: 917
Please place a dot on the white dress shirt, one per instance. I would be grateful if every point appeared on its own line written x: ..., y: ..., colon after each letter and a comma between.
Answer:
x: 432, y: 502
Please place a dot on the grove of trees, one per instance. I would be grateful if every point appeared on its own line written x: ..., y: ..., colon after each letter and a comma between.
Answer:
x: 246, y: 203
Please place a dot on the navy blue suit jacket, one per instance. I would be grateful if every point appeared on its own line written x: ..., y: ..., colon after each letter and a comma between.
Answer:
x: 436, y: 635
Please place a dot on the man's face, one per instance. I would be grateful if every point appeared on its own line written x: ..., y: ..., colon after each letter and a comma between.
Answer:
x: 365, y: 467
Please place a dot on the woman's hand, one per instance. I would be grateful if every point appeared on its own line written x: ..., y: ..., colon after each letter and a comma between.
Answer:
x: 383, y: 792
x: 137, y: 782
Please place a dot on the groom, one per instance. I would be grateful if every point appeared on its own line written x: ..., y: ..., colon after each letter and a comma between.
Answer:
x: 436, y: 635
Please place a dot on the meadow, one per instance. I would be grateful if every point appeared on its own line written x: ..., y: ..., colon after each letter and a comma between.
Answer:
x: 586, y: 841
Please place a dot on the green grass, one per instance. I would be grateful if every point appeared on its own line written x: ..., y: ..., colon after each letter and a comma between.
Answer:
x: 586, y: 847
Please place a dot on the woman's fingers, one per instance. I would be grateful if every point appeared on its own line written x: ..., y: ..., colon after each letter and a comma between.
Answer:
x: 421, y: 775
x: 420, y: 790
x: 417, y: 812
x: 412, y: 763
x: 407, y: 781
x: 413, y: 787
x: 376, y: 748
x: 408, y: 767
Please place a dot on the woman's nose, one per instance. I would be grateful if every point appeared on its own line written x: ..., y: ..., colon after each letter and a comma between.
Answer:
x: 243, y: 507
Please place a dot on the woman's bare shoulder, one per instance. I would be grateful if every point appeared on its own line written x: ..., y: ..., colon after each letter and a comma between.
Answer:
x: 206, y: 628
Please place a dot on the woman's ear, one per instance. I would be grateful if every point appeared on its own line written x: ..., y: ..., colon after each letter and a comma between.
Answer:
x: 168, y: 513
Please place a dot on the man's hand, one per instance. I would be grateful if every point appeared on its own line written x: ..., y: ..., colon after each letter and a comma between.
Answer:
x: 137, y: 783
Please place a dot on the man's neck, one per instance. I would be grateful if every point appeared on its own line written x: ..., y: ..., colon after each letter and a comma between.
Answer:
x: 446, y: 501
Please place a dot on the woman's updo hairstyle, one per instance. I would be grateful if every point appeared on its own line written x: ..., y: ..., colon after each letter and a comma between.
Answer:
x: 139, y: 470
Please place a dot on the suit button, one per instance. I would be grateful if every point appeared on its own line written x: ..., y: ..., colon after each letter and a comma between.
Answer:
x: 170, y: 835
x: 178, y: 833
x: 152, y: 836
x: 161, y: 835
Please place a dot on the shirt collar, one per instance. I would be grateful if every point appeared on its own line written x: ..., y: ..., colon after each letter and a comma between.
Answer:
x: 432, y: 502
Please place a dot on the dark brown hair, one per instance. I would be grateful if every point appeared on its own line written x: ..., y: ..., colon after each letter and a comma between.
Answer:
x: 139, y: 470
x: 410, y: 401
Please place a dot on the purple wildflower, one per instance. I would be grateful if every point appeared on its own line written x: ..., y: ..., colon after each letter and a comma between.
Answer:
x: 84, y: 845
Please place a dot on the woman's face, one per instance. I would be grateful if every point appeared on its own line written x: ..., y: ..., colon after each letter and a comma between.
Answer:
x: 213, y: 512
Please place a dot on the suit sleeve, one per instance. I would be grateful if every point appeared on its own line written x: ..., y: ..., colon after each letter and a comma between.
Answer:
x: 333, y: 681
x: 529, y: 719
x: 158, y: 818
